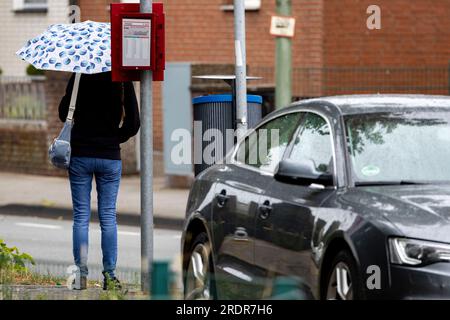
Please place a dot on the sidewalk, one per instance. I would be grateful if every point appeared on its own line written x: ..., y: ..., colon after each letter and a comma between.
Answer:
x: 49, y: 197
x: 31, y: 292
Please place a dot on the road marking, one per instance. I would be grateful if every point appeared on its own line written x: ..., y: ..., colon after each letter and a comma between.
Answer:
x: 38, y: 225
x: 137, y: 234
x: 128, y: 233
x: 122, y: 233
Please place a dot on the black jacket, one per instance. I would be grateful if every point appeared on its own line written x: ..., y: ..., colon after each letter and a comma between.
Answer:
x: 97, y: 132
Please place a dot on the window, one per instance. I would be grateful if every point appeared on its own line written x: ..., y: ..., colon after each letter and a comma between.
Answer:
x: 30, y: 5
x: 392, y: 147
x: 313, y: 143
x: 264, y: 148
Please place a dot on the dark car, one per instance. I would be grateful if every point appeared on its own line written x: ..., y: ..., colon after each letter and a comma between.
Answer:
x: 350, y: 194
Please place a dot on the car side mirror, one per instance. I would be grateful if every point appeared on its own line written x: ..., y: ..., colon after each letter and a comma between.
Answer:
x: 301, y: 173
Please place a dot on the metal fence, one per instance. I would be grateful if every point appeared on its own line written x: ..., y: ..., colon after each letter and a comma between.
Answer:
x: 59, y: 270
x: 165, y: 274
x: 22, y: 98
x: 315, y: 82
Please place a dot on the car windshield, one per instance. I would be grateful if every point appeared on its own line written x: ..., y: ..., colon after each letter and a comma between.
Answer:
x: 399, y: 148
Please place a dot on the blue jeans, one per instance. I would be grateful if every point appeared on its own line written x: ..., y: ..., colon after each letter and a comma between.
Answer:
x: 107, y: 177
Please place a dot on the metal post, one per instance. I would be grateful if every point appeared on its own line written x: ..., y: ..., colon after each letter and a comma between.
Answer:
x: 146, y: 142
x: 241, y: 67
x: 161, y: 280
x: 283, y: 72
x: 448, y: 75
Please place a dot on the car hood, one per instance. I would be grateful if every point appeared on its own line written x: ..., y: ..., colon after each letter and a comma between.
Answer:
x: 417, y: 211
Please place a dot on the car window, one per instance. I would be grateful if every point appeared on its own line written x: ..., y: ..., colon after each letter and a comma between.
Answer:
x: 264, y: 148
x: 416, y: 142
x: 313, y: 143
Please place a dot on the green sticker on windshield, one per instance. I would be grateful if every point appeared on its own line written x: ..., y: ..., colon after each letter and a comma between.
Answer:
x: 370, y: 171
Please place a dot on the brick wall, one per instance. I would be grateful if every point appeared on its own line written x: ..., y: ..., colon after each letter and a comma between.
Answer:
x: 95, y: 10
x: 23, y: 146
x: 329, y: 33
x: 199, y: 31
x: 412, y: 46
x: 414, y: 33
x: 24, y: 143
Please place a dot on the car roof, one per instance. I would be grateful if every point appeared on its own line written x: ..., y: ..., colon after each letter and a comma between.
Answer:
x: 354, y: 104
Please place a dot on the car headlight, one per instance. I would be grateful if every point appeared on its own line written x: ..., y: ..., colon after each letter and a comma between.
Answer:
x: 416, y: 252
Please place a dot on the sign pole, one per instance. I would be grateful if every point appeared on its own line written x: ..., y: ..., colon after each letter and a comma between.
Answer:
x: 146, y: 144
x: 283, y: 73
x: 241, y: 67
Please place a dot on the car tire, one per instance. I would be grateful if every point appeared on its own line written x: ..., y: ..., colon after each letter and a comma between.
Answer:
x: 199, y: 282
x: 342, y: 280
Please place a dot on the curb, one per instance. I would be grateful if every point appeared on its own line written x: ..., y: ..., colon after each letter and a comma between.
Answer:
x: 123, y: 218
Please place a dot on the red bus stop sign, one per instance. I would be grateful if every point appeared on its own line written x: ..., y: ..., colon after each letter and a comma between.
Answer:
x: 137, y: 41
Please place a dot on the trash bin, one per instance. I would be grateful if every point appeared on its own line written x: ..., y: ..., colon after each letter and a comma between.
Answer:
x: 217, y: 112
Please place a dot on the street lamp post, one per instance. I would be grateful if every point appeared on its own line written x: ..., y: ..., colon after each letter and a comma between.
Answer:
x: 146, y: 144
x: 241, y: 68
x: 283, y: 73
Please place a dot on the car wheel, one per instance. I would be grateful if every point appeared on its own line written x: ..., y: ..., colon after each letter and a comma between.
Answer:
x: 343, y: 282
x: 199, y: 280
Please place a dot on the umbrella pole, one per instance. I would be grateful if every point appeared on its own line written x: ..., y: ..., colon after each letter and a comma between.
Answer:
x: 146, y: 145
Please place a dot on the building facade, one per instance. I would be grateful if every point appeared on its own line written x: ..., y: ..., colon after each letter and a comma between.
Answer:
x: 334, y: 51
x: 21, y: 20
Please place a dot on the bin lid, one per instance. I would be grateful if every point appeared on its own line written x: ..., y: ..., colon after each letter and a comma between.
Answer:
x: 224, y: 77
x: 224, y: 98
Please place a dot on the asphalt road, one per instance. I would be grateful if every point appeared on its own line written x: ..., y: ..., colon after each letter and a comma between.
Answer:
x: 49, y: 241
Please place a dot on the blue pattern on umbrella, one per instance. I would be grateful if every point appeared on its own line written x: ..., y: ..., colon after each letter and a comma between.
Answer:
x: 80, y: 47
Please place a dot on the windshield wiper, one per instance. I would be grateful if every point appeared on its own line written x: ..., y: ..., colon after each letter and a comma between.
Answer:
x: 387, y: 183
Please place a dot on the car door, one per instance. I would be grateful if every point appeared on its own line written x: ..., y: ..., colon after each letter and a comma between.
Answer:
x: 285, y: 219
x: 238, y: 194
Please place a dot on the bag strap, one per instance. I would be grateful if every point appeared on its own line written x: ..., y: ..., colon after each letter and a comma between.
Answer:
x: 73, y: 99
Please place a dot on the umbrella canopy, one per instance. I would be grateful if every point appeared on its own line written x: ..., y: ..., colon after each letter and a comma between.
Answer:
x: 80, y: 47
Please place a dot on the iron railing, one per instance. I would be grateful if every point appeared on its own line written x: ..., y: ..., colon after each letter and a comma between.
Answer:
x: 315, y: 82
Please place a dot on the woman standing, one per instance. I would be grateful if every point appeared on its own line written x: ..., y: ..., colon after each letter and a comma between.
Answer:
x: 106, y: 115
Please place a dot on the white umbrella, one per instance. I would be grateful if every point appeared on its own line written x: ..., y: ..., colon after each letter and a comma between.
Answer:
x: 79, y: 47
